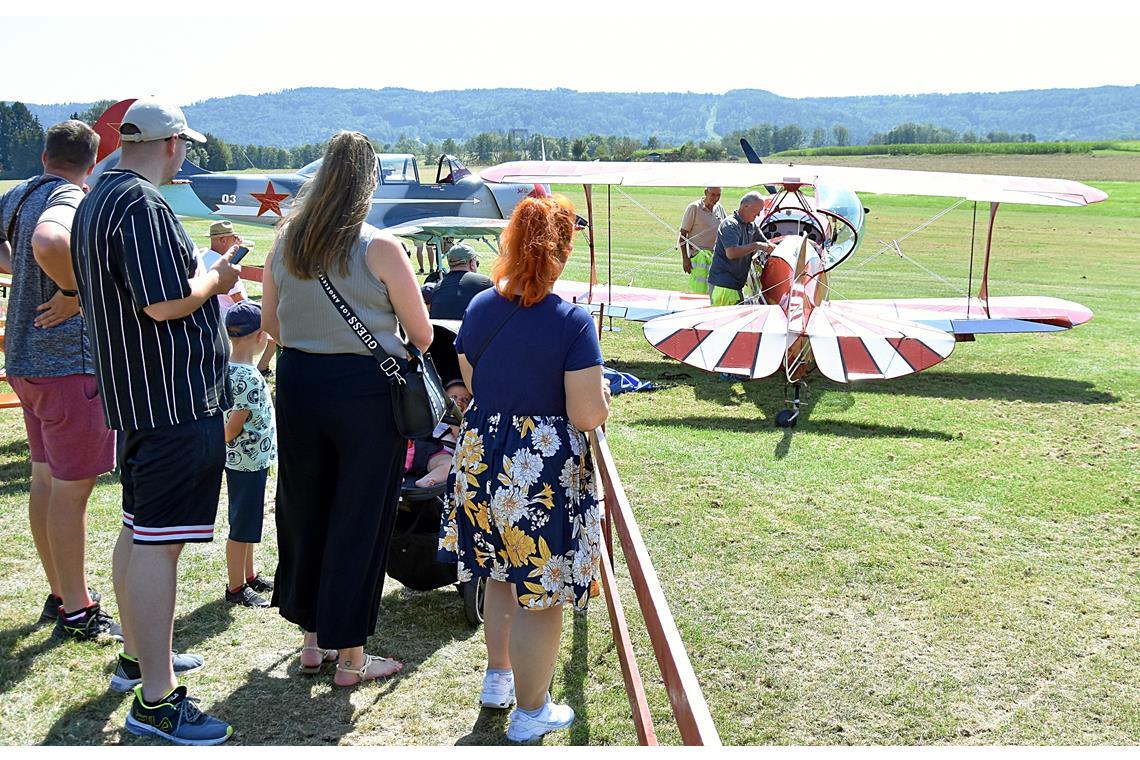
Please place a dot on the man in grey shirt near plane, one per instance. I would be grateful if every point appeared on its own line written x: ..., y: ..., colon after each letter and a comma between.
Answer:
x: 738, y: 239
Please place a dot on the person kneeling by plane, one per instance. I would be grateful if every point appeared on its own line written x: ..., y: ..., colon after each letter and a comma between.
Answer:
x: 737, y: 239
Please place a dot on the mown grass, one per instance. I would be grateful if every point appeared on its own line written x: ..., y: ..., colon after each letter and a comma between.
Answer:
x: 1010, y: 148
x: 946, y: 559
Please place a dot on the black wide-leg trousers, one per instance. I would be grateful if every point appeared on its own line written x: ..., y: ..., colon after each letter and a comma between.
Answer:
x: 339, y: 474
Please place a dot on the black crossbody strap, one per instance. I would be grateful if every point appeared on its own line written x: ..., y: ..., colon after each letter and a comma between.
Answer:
x: 11, y: 232
x: 495, y: 332
x: 387, y: 362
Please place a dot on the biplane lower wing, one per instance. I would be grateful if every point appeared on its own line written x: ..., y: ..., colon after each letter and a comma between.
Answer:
x: 959, y: 316
x: 625, y: 302
x: 849, y: 346
x: 750, y: 341
x: 449, y: 226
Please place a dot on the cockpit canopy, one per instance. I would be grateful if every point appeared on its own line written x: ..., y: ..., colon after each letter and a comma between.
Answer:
x: 393, y: 168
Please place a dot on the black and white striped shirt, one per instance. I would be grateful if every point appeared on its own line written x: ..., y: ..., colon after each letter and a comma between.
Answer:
x: 130, y: 251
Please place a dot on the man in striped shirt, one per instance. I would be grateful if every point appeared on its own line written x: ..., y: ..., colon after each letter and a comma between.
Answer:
x: 161, y: 363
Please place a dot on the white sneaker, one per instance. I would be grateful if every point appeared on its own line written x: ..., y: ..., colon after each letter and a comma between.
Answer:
x: 552, y: 717
x: 498, y: 690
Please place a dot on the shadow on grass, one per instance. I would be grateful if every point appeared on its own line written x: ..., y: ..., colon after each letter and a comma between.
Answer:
x: 412, y: 627
x: 17, y: 661
x: 16, y: 475
x: 768, y: 392
x: 822, y: 427
x: 574, y: 674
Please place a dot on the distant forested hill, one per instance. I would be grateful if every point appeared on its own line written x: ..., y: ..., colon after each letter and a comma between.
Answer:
x: 308, y: 115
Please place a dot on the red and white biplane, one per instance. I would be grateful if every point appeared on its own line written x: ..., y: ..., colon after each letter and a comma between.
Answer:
x: 787, y: 320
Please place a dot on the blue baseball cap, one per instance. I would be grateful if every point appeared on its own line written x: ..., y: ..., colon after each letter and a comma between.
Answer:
x: 243, y: 318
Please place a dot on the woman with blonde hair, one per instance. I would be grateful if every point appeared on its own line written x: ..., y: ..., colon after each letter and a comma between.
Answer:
x: 522, y: 509
x: 340, y: 455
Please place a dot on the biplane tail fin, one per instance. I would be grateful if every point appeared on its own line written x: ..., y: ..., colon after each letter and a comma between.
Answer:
x: 849, y: 347
x: 750, y: 341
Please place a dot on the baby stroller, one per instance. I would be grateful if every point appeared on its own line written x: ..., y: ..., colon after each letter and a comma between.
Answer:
x: 412, y: 551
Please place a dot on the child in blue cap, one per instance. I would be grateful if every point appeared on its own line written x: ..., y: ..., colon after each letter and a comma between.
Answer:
x: 251, y: 448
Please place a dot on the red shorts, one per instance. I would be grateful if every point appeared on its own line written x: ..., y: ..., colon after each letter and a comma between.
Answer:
x: 66, y: 428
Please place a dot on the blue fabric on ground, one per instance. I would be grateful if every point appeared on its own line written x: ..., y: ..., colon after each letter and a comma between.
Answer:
x: 623, y: 382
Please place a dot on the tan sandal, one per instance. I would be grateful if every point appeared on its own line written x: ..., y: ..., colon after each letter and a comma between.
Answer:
x: 362, y: 673
x: 327, y: 655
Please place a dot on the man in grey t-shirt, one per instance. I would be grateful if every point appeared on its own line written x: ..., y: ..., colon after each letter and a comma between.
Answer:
x: 50, y: 367
x: 738, y: 239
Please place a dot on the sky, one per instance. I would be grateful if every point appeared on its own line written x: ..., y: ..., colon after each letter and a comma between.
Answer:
x: 826, y: 48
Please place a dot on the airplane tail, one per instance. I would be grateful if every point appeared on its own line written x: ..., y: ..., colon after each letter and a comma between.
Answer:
x: 848, y: 347
x: 750, y: 341
x: 107, y: 127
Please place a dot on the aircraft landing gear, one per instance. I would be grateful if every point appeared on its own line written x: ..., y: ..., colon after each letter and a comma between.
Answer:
x: 786, y: 418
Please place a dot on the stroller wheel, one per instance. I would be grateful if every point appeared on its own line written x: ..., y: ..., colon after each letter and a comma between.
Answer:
x: 473, y: 592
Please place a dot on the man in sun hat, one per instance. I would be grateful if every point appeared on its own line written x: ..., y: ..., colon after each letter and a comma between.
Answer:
x: 223, y: 238
x: 161, y: 365
x: 448, y: 299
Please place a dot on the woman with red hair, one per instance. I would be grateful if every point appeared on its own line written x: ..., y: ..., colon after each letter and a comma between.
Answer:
x: 522, y: 510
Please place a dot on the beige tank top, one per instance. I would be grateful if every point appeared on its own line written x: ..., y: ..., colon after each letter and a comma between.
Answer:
x: 310, y: 322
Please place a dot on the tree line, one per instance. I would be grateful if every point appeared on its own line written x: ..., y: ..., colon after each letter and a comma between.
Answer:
x: 21, y: 141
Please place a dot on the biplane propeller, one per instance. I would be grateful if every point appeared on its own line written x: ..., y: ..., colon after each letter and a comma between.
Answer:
x: 788, y: 320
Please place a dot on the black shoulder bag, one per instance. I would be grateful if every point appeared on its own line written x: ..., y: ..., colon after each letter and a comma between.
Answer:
x: 419, y: 402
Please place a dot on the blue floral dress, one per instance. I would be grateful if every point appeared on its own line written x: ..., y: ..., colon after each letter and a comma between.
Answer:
x: 522, y: 509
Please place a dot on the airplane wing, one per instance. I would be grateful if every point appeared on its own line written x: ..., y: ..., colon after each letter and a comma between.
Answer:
x: 849, y: 346
x: 749, y: 341
x: 449, y: 226
x: 987, y: 188
x: 625, y: 302
x: 959, y: 316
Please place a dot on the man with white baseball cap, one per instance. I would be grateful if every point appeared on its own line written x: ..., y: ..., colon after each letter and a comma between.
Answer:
x: 161, y: 365
x: 149, y: 119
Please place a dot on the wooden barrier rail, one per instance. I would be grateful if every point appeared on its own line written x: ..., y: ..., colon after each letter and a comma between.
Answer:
x: 685, y: 695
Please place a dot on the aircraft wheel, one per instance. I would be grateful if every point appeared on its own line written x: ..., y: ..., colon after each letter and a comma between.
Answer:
x: 786, y: 418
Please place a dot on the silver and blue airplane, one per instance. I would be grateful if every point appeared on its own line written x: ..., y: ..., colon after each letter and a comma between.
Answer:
x: 456, y: 204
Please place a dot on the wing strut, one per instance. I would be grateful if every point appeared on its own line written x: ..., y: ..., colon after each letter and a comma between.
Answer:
x: 984, y: 290
x: 590, y: 236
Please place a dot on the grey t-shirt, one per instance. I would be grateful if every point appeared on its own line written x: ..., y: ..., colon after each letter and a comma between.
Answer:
x: 37, y: 351
x: 732, y: 273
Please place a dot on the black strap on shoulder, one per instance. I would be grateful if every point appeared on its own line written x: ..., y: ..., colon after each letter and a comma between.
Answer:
x: 487, y: 340
x: 388, y: 363
x: 11, y: 231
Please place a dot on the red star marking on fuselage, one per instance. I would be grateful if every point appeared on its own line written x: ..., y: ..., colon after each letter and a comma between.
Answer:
x: 269, y: 200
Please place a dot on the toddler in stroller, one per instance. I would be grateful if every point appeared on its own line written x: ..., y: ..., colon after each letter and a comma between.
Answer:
x: 412, y: 552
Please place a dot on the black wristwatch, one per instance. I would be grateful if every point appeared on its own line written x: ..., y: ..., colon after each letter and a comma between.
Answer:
x: 70, y: 293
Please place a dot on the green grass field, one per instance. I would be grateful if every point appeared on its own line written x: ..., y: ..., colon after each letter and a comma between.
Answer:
x: 951, y: 558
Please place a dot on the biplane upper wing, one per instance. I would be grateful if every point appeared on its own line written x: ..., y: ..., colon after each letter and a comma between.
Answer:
x: 961, y: 316
x: 1039, y: 191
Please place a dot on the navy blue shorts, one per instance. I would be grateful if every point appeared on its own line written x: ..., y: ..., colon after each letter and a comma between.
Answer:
x: 172, y: 477
x: 247, y: 504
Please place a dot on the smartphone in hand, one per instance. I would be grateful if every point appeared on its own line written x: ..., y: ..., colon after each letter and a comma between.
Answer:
x: 239, y: 254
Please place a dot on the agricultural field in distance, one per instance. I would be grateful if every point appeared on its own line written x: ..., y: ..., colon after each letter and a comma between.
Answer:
x: 951, y: 558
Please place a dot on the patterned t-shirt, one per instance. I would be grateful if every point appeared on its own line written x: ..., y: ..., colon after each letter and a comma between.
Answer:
x: 255, y: 448
x: 40, y: 351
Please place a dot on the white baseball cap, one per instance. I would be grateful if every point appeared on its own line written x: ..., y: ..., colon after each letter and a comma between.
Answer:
x: 155, y: 120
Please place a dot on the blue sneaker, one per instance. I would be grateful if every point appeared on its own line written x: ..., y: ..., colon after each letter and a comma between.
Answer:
x: 127, y: 674
x: 176, y: 719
